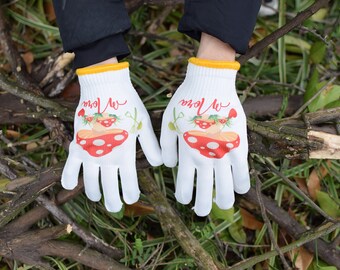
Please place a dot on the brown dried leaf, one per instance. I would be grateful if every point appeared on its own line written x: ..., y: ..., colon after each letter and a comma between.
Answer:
x: 301, y: 184
x: 28, y: 58
x: 301, y: 181
x: 6, y: 67
x: 49, y: 10
x: 249, y: 221
x: 71, y: 92
x: 138, y: 209
x: 303, y: 258
x: 12, y: 134
x: 314, y: 180
x: 31, y: 146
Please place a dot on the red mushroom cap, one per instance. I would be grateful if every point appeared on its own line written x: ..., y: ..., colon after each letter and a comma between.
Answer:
x: 212, y: 145
x: 98, y: 145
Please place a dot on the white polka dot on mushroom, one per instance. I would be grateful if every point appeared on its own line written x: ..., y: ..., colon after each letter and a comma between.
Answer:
x: 99, y: 152
x: 109, y: 145
x: 119, y: 137
x: 230, y: 145
x: 192, y: 139
x: 82, y: 142
x: 213, y: 145
x: 98, y: 142
x: 212, y: 154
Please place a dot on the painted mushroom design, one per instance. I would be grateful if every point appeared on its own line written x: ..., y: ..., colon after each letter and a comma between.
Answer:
x: 204, y: 123
x: 98, y: 145
x: 212, y: 145
x: 106, y: 121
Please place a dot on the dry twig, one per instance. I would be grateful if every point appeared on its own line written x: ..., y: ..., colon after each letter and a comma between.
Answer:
x: 324, y: 250
x: 265, y: 217
x: 171, y: 223
x: 89, y: 238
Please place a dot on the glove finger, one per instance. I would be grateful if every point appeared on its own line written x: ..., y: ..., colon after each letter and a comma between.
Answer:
x: 225, y: 196
x: 149, y: 143
x: 129, y: 181
x: 241, y: 176
x: 204, y: 190
x: 69, y: 177
x: 168, y: 143
x: 185, y: 180
x: 109, y: 178
x: 91, y: 181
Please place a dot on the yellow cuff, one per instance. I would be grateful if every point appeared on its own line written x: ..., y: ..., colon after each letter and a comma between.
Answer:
x: 101, y: 68
x: 215, y: 63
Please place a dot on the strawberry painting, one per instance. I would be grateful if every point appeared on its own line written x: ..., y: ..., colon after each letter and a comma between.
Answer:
x: 204, y: 123
x: 81, y: 112
x: 106, y: 121
x: 232, y: 113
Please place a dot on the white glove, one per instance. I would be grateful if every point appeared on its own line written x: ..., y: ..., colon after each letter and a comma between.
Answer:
x: 207, y: 117
x: 109, y: 117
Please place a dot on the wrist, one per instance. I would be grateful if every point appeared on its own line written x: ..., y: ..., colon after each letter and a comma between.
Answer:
x: 112, y: 60
x: 99, y: 79
x: 214, y: 64
x: 212, y: 48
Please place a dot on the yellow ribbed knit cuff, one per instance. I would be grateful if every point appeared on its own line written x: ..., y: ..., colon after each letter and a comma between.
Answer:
x: 101, y: 68
x: 215, y: 63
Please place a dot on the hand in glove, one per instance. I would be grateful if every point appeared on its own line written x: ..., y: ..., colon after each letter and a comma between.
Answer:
x: 206, y: 119
x: 109, y: 118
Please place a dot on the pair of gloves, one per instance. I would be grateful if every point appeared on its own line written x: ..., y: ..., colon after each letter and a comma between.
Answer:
x: 203, y: 127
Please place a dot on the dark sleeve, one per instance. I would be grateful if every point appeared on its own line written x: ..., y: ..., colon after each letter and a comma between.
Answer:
x: 231, y: 21
x: 93, y: 30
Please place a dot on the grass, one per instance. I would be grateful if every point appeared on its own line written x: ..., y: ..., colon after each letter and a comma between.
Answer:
x: 158, y: 68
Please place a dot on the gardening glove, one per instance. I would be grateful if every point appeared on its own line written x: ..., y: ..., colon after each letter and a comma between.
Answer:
x: 207, y: 118
x: 109, y: 118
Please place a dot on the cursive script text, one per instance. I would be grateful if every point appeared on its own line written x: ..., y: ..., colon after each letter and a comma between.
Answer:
x: 201, y: 105
x: 101, y: 108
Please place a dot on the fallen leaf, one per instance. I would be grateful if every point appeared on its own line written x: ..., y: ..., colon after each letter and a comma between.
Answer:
x: 12, y: 134
x: 260, y: 34
x: 71, y: 92
x: 222, y: 214
x: 237, y: 232
x: 6, y: 67
x: 291, y: 213
x: 249, y: 221
x: 49, y: 10
x: 320, y: 14
x: 3, y: 183
x: 31, y: 146
x: 303, y: 258
x: 301, y: 181
x: 138, y: 209
x: 313, y: 183
x: 328, y: 204
x: 28, y: 58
